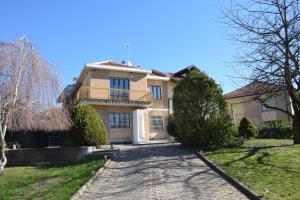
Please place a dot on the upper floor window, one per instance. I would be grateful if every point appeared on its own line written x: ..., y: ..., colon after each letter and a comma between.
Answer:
x: 269, y: 102
x: 119, y: 88
x: 119, y: 83
x: 237, y: 108
x: 156, y: 92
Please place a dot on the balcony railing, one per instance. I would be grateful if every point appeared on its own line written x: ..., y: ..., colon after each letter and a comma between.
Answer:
x: 113, y: 95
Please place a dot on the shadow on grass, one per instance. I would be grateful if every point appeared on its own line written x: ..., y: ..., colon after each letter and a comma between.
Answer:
x: 260, y: 154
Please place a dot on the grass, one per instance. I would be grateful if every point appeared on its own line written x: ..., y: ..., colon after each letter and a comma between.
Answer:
x: 263, y: 163
x: 59, y: 181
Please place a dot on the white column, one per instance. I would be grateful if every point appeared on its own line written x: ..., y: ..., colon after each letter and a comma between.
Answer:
x: 138, y: 126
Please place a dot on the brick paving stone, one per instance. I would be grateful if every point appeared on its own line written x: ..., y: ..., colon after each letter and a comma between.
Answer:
x: 159, y: 172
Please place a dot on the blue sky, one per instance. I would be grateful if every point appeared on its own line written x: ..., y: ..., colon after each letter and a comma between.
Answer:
x: 165, y: 35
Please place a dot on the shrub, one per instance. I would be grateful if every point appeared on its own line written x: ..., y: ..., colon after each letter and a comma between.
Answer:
x: 200, y: 115
x: 88, y: 127
x: 171, y: 127
x: 247, y: 129
x: 279, y: 129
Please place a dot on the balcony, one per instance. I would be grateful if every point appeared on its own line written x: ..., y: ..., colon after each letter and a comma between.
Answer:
x: 112, y: 96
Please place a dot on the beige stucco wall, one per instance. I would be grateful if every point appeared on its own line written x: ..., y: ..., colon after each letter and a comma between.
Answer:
x: 171, y: 85
x: 163, y: 103
x: 126, y: 135
x: 83, y: 92
x: 116, y: 135
x: 147, y: 122
x: 252, y: 110
x: 98, y: 83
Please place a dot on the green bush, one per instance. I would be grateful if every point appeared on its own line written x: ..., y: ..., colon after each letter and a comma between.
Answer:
x: 171, y: 126
x: 247, y: 129
x: 279, y: 129
x: 88, y: 127
x: 200, y: 114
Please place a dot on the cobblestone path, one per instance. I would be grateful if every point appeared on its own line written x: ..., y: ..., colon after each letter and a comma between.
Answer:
x: 158, y: 172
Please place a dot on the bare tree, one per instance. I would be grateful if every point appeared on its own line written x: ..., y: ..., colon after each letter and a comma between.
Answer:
x: 268, y: 33
x: 29, y: 87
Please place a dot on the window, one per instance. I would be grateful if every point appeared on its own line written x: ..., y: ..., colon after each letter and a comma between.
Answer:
x: 119, y: 88
x: 156, y: 92
x: 119, y: 120
x: 269, y: 102
x: 157, y: 123
x: 237, y: 108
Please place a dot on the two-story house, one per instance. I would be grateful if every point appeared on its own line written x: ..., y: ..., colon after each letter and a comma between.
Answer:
x: 134, y: 103
x: 241, y: 103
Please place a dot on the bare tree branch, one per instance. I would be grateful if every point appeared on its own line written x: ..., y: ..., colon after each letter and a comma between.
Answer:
x: 28, y: 89
x: 268, y: 32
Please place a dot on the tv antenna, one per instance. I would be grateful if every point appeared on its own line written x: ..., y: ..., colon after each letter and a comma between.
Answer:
x: 127, y: 45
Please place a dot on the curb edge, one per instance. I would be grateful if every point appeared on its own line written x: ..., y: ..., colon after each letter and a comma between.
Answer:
x: 238, y: 185
x: 83, y: 188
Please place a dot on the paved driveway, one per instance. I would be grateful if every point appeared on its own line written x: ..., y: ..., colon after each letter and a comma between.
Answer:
x: 161, y: 171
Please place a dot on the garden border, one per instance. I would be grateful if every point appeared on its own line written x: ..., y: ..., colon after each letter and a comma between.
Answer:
x: 238, y: 185
x: 83, y: 188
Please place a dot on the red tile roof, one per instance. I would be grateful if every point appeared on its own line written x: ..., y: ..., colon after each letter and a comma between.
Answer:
x: 159, y: 73
x: 254, y: 88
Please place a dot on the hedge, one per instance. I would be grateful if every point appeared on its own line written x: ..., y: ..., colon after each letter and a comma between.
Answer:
x: 279, y: 129
x: 37, y: 138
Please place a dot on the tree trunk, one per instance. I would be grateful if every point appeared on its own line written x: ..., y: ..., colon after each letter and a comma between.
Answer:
x: 296, y: 127
x: 3, y: 160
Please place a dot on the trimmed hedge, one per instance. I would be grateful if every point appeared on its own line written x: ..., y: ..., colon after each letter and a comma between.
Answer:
x: 279, y: 129
x: 88, y: 127
x: 247, y: 129
x: 200, y: 116
x: 37, y: 138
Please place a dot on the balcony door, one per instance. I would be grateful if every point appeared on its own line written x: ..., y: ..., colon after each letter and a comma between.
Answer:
x: 119, y: 89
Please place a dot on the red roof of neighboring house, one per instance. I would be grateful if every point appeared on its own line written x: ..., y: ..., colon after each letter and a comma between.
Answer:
x: 177, y: 76
x: 254, y: 88
x: 159, y: 73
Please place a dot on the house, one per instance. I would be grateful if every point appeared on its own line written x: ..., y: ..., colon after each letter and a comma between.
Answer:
x: 242, y: 103
x: 134, y: 103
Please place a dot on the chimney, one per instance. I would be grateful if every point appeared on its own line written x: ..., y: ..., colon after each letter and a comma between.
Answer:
x: 74, y: 80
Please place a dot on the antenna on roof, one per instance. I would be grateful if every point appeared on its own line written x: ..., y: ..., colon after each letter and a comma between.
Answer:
x: 126, y: 45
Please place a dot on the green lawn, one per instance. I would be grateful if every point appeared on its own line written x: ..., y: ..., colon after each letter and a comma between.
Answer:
x: 264, y: 163
x: 59, y: 181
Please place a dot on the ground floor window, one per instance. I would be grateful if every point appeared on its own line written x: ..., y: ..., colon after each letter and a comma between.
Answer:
x: 119, y: 120
x: 157, y: 123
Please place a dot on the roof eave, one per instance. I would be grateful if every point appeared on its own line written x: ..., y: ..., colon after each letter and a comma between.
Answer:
x: 117, y: 68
